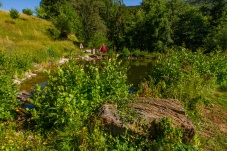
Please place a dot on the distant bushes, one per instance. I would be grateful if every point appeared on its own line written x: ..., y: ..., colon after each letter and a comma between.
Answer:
x: 14, y: 13
x: 27, y: 11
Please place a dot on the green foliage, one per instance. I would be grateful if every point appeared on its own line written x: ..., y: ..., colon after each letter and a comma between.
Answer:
x: 53, y: 53
x: 191, y: 29
x: 21, y: 61
x: 125, y: 52
x: 54, y: 33
x: 136, y: 53
x: 8, y: 102
x: 40, y: 12
x: 27, y: 11
x: 64, y: 18
x: 97, y: 40
x: 74, y: 94
x: 217, y: 40
x: 169, y: 137
x: 63, y: 25
x: 14, y: 13
x: 153, y: 25
x: 189, y: 77
x: 0, y: 4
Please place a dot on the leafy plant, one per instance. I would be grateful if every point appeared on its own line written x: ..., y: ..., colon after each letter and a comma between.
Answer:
x: 136, y: 53
x: 27, y: 11
x: 184, y: 75
x: 8, y: 102
x: 125, y: 52
x: 169, y: 137
x: 14, y: 13
x: 75, y: 93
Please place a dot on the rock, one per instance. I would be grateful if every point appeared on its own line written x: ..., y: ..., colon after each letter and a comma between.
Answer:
x: 149, y: 110
x: 23, y: 96
x: 15, y: 81
x: 63, y: 60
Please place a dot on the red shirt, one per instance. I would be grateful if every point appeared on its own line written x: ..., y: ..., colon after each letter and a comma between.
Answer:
x: 103, y: 48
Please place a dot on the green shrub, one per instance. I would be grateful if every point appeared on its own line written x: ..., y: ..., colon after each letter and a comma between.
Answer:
x: 145, y: 54
x: 170, y: 138
x: 21, y: 61
x: 53, y: 53
x: 27, y: 11
x: 72, y: 95
x: 14, y: 13
x: 40, y: 56
x: 54, y: 33
x: 136, y: 53
x: 125, y: 52
x: 8, y: 102
x: 187, y: 76
x: 40, y: 12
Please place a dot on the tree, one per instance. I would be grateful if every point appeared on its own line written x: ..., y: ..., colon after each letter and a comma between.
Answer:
x: 40, y: 12
x: 0, y: 4
x: 152, y: 30
x: 116, y: 20
x: 216, y: 13
x: 63, y: 16
x: 93, y: 24
x: 27, y: 11
x: 14, y: 13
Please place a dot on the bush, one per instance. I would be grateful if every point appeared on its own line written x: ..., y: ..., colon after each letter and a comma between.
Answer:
x: 136, y: 53
x: 187, y: 76
x: 74, y: 94
x: 53, y: 53
x: 40, y: 12
x: 54, y: 33
x: 14, y: 13
x: 125, y: 52
x: 27, y: 11
x: 8, y: 102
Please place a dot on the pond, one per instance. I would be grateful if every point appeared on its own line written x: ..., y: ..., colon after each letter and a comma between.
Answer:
x: 136, y: 72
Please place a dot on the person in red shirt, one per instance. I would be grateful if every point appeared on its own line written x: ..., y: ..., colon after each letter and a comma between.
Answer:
x: 102, y: 48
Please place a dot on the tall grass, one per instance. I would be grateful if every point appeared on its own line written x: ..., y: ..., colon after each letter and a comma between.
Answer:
x: 26, y: 40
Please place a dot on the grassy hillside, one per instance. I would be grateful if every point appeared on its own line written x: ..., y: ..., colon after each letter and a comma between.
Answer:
x: 29, y: 35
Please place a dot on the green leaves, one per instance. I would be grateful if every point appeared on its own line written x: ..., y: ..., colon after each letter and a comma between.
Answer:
x: 8, y: 102
x: 76, y: 92
x: 14, y: 13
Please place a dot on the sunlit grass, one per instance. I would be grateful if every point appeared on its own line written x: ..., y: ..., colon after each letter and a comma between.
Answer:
x: 28, y: 33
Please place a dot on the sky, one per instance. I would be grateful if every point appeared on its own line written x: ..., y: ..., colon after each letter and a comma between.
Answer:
x: 22, y: 4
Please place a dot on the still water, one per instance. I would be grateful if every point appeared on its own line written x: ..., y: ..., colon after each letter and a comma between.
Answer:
x: 136, y: 72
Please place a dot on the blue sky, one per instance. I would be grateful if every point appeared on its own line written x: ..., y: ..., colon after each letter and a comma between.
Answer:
x: 21, y: 4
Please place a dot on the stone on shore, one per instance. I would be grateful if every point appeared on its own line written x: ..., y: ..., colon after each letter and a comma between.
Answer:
x: 149, y: 111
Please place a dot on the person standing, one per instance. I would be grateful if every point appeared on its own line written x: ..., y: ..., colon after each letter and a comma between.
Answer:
x: 102, y: 48
x: 81, y: 46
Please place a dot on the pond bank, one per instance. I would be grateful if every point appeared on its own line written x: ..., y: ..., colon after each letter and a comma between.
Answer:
x: 137, y: 69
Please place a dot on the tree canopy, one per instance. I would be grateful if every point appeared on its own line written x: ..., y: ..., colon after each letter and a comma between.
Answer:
x: 152, y: 26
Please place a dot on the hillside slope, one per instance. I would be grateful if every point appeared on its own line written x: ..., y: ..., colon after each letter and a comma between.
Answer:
x: 28, y: 34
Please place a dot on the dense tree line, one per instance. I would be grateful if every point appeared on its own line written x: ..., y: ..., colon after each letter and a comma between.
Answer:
x: 155, y: 25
